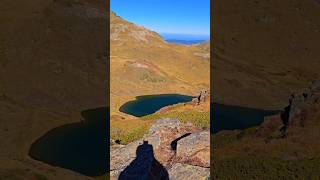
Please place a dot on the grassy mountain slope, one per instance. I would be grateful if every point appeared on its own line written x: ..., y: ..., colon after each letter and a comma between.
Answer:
x: 143, y: 63
x: 266, y: 49
x: 52, y: 67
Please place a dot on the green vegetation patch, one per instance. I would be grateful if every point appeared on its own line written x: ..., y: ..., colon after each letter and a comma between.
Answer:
x: 151, y: 78
x: 39, y: 176
x: 127, y: 135
x: 220, y: 141
x: 265, y: 168
x: 104, y: 177
x: 198, y: 119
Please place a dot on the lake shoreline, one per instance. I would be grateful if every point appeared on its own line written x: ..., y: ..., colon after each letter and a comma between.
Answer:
x: 233, y: 117
x: 134, y: 107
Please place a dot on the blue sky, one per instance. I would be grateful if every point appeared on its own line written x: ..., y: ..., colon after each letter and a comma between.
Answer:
x: 166, y: 16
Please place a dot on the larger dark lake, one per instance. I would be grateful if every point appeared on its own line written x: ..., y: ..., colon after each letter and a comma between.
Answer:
x: 80, y: 147
x: 144, y: 105
x: 223, y: 117
x: 226, y: 117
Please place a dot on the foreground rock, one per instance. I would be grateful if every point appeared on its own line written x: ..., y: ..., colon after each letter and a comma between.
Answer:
x: 195, y: 149
x: 188, y: 172
x: 167, y: 144
x: 144, y: 166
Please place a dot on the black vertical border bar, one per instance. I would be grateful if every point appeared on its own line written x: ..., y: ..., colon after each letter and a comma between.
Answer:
x: 106, y: 6
x: 107, y: 35
x: 211, y: 88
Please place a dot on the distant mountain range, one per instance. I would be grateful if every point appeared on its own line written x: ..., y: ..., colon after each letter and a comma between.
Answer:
x: 186, y: 42
x: 186, y: 39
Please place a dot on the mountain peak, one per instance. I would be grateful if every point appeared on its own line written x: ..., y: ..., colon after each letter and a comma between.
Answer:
x: 124, y: 31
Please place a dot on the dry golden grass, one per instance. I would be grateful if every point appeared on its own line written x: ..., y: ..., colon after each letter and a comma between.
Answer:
x: 261, y: 56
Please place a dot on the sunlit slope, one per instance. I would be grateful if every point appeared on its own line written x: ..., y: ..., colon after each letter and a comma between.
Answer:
x: 264, y: 49
x: 143, y: 63
x: 53, y: 66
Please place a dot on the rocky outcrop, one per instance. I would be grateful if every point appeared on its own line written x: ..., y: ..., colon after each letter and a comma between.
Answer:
x: 136, y: 161
x: 188, y: 172
x: 299, y: 103
x: 164, y: 134
x: 195, y: 149
x: 297, y: 114
x: 169, y: 146
x: 204, y: 96
x: 270, y: 125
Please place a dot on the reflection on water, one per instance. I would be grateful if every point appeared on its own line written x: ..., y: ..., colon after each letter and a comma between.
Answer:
x: 81, y: 147
x: 144, y: 105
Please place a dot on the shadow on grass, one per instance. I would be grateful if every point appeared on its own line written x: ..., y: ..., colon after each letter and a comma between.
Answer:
x: 81, y: 147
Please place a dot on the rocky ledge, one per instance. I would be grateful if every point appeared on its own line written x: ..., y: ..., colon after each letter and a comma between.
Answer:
x: 301, y: 111
x: 170, y: 149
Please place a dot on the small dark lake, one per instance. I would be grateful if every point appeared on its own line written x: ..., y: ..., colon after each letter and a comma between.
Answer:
x: 226, y: 117
x: 144, y: 105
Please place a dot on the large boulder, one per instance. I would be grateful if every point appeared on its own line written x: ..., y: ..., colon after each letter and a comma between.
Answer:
x: 195, y: 149
x: 299, y: 105
x: 163, y: 135
x: 156, y: 153
x: 121, y: 157
x: 204, y: 96
x: 143, y: 166
x: 188, y: 172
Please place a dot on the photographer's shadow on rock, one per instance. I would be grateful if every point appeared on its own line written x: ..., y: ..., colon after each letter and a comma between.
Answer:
x: 145, y: 166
